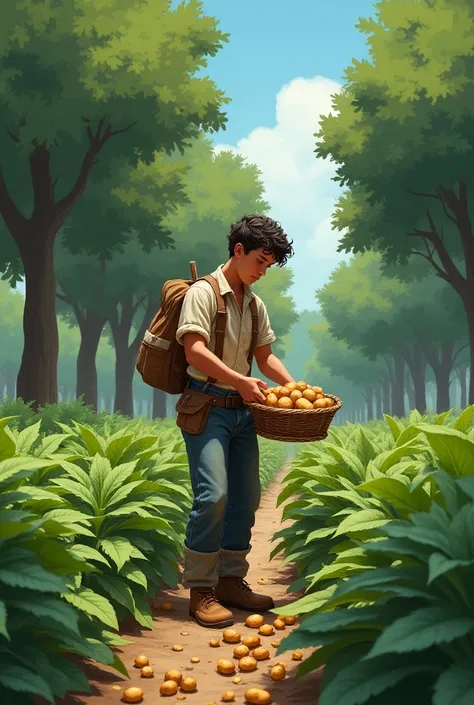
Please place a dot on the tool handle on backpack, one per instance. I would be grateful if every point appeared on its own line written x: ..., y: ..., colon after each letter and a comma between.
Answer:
x: 193, y: 270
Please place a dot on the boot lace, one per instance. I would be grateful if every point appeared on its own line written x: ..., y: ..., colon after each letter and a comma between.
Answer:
x: 243, y: 584
x: 208, y: 597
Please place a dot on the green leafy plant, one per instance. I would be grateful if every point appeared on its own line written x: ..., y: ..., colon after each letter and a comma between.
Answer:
x: 347, y: 490
x: 404, y: 630
x: 37, y: 625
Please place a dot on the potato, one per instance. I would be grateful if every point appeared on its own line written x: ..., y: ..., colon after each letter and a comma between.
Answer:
x: 309, y: 394
x: 252, y: 641
x: 266, y: 630
x: 225, y: 666
x: 285, y: 403
x: 271, y: 400
x: 141, y: 661
x: 261, y: 653
x: 241, y: 650
x: 188, y: 684
x: 132, y: 695
x: 303, y: 404
x: 169, y: 687
x: 257, y: 696
x: 278, y: 672
x: 231, y: 636
x: 174, y: 675
x: 254, y: 621
x: 248, y: 663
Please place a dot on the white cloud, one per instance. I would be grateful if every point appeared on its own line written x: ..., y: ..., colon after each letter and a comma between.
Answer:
x: 298, y: 185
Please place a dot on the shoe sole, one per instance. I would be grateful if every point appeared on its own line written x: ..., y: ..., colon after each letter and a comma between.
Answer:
x: 265, y: 608
x: 213, y: 625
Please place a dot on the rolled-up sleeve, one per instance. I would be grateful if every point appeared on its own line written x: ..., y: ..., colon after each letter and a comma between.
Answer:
x: 196, y: 314
x: 266, y: 335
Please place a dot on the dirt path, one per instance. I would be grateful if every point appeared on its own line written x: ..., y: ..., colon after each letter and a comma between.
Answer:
x: 168, y: 626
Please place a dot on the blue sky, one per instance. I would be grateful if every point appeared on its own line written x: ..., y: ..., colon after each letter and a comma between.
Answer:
x: 281, y: 65
x: 274, y: 42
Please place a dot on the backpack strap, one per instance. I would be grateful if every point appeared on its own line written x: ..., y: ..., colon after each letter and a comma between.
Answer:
x: 221, y: 324
x: 220, y: 320
x: 253, y: 342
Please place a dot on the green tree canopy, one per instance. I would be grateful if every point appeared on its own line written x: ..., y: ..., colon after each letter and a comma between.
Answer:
x: 402, y: 140
x: 84, y: 85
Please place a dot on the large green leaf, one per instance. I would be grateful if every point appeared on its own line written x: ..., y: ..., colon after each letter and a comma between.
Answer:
x: 395, y: 427
x: 398, y: 494
x: 118, y: 549
x: 51, y: 609
x: 93, y: 605
x: 424, y: 628
x: 92, y: 440
x: 88, y: 553
x: 118, y: 590
x: 19, y: 467
x: 308, y: 603
x: 26, y: 438
x: 456, y: 685
x: 31, y: 576
x: 22, y: 680
x: 363, y: 520
x: 359, y: 682
x: 454, y: 450
x: 116, y: 447
x: 464, y: 419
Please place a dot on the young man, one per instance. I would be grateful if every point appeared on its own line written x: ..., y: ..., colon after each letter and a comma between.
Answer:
x: 224, y: 458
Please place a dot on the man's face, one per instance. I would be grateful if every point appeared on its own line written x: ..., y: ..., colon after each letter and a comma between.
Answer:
x: 254, y: 265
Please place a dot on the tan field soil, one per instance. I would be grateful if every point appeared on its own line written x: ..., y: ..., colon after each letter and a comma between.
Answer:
x: 156, y: 644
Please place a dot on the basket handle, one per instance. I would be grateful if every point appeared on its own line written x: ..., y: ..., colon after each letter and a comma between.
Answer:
x: 194, y: 275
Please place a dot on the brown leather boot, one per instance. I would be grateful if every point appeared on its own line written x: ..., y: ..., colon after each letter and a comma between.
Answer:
x: 207, y: 610
x: 236, y: 592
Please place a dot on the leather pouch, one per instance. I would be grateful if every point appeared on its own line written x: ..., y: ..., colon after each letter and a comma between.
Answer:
x: 193, y: 409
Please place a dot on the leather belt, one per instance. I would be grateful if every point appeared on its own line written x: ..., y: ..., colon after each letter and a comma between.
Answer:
x: 228, y: 402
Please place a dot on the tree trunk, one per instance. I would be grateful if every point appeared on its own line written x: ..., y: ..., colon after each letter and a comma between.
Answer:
x: 369, y: 398
x: 461, y: 374
x: 125, y: 354
x: 398, y: 387
x: 91, y: 326
x: 385, y: 385
x: 37, y: 377
x: 410, y: 391
x: 378, y: 400
x: 159, y: 404
x: 124, y: 370
x: 441, y: 367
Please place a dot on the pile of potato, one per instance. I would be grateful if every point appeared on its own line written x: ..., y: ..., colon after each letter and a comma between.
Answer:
x: 297, y: 395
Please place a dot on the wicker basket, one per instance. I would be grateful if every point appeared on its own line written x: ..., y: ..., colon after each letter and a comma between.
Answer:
x: 294, y: 425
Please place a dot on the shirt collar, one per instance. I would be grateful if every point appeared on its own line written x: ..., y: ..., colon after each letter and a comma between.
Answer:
x: 224, y: 286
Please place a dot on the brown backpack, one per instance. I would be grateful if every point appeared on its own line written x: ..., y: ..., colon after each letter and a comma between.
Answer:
x: 161, y: 360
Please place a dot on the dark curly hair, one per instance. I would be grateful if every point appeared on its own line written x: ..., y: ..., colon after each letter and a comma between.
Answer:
x: 256, y: 231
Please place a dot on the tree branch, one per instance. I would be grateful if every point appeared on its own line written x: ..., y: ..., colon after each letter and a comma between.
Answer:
x: 96, y: 143
x: 61, y: 297
x: 450, y: 273
x: 437, y: 197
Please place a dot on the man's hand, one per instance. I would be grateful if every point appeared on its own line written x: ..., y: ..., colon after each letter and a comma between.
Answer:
x: 249, y: 388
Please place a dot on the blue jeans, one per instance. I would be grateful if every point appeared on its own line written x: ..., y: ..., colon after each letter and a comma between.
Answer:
x: 224, y: 467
